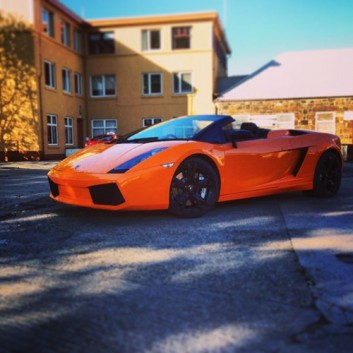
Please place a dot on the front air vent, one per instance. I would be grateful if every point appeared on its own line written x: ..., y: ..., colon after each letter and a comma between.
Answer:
x: 106, y: 194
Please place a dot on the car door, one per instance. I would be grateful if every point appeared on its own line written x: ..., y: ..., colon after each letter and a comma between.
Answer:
x: 258, y: 164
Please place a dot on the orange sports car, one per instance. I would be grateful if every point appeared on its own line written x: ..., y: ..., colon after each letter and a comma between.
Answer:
x: 188, y: 164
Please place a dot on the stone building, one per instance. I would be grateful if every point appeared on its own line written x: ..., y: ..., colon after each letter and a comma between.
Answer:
x: 303, y: 90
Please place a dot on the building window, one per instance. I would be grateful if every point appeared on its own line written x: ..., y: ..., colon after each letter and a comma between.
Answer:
x: 101, y: 43
x: 151, y: 40
x: 285, y: 121
x: 104, y: 126
x: 181, y: 38
x: 267, y: 121
x: 325, y: 122
x: 77, y: 40
x: 348, y: 115
x: 150, y: 121
x: 103, y: 86
x: 66, y: 78
x: 48, y: 22
x: 182, y: 82
x: 69, y: 131
x: 52, y: 127
x: 49, y: 74
x: 65, y: 33
x: 78, y: 84
x: 152, y: 84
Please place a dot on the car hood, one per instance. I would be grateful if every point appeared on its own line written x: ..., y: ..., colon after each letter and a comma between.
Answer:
x: 102, y: 158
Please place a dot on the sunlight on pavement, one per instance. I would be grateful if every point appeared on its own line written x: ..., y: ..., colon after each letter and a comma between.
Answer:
x: 252, y: 222
x: 37, y: 316
x: 212, y: 340
x: 35, y: 217
x: 324, y: 240
x: 19, y: 281
x: 339, y: 214
x: 318, y: 240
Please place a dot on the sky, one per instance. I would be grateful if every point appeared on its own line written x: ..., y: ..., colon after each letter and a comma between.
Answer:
x: 257, y: 30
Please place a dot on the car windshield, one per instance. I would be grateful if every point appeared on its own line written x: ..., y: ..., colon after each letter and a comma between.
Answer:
x: 183, y: 128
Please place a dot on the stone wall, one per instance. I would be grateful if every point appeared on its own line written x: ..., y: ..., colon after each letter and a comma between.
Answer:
x: 304, y: 110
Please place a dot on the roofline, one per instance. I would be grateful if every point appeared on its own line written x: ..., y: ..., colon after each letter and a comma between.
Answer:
x: 220, y: 100
x: 162, y: 19
x: 156, y: 19
x: 67, y: 11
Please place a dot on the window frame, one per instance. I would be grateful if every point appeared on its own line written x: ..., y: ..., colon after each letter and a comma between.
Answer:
x: 348, y: 115
x: 69, y: 131
x: 52, y: 130
x: 155, y: 120
x: 285, y: 121
x: 181, y: 37
x: 101, y: 46
x: 48, y: 25
x: 50, y: 74
x: 104, y: 86
x: 179, y: 76
x: 104, y: 129
x: 65, y: 33
x: 146, y: 40
x: 329, y: 122
x: 149, y: 91
x: 78, y: 84
x: 66, y: 80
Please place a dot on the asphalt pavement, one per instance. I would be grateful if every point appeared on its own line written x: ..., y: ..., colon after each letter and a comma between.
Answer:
x: 317, y: 232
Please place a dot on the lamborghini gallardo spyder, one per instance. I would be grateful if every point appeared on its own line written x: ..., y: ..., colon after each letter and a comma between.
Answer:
x: 188, y: 164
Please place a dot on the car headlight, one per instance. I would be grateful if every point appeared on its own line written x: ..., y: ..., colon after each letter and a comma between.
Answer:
x: 122, y: 168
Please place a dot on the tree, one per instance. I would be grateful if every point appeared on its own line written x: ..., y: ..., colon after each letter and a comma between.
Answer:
x: 19, y: 121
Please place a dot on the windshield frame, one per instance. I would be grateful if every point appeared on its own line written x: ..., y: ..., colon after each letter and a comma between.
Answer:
x: 190, y: 127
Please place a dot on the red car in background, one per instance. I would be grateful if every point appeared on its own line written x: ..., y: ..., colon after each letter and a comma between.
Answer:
x: 101, y: 138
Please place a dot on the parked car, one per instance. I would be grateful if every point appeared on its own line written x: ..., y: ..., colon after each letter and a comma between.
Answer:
x: 188, y: 164
x: 101, y: 138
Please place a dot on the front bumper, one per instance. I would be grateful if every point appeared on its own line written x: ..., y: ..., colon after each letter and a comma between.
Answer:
x: 134, y: 191
x: 103, y: 194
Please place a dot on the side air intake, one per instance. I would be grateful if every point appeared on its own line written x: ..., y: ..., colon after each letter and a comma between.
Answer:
x: 54, y: 188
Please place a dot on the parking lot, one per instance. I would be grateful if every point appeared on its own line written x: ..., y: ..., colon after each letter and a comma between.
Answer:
x: 271, y: 274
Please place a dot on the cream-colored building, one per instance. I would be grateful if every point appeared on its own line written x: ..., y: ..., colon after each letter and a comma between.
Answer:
x: 114, y: 75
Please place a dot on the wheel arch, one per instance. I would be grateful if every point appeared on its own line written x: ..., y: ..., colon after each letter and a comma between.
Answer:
x: 327, y: 175
x: 336, y: 152
x: 209, y: 160
x: 186, y: 199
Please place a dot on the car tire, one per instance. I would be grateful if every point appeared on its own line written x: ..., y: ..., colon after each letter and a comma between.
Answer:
x: 194, y: 188
x: 328, y: 174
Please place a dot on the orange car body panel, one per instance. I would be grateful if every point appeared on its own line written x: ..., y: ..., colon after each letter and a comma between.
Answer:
x: 243, y: 171
x: 146, y: 186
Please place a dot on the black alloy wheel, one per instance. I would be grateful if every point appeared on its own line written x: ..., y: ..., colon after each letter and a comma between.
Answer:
x: 194, y: 189
x: 328, y: 174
